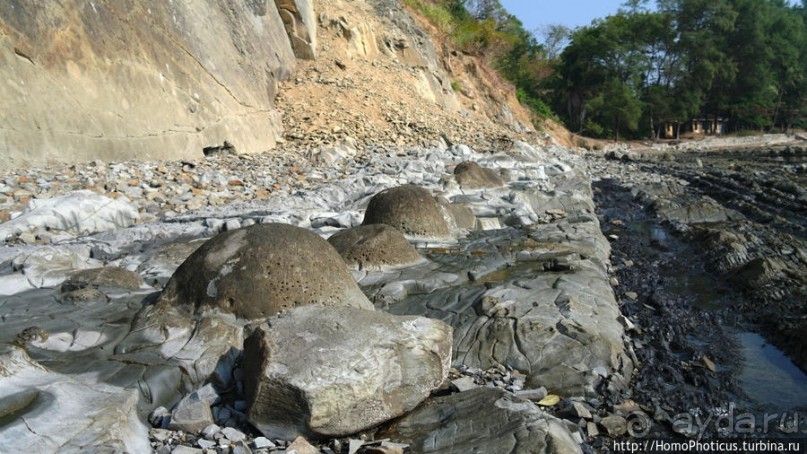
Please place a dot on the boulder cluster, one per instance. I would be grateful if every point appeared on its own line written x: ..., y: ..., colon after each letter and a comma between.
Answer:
x: 319, y: 361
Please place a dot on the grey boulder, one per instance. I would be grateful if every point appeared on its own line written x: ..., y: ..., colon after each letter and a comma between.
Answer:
x: 471, y: 175
x: 334, y: 371
x: 410, y: 209
x: 374, y: 246
x: 257, y: 271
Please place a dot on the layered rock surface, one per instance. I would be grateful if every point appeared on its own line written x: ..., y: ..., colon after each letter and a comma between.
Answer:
x: 534, y: 275
x: 454, y: 424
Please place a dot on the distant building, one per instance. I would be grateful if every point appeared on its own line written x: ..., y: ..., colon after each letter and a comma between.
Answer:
x: 695, y: 127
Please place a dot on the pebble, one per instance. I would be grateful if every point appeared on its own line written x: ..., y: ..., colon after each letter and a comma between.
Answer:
x: 262, y: 443
x: 233, y: 435
x: 615, y: 425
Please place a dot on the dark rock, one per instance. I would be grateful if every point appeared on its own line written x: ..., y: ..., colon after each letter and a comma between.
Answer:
x: 226, y: 149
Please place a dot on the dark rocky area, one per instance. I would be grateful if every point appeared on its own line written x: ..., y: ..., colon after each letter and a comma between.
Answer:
x: 707, y: 246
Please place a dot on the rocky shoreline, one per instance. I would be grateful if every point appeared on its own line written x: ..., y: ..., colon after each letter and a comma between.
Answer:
x: 522, y: 275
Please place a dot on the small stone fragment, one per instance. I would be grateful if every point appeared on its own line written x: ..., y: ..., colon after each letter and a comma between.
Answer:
x: 192, y: 414
x: 301, y: 446
x: 233, y: 435
x: 615, y: 425
x: 464, y: 383
x: 210, y: 431
x: 709, y: 364
x: 159, y: 417
x: 591, y: 429
x: 549, y: 401
x: 534, y: 395
x: 263, y: 443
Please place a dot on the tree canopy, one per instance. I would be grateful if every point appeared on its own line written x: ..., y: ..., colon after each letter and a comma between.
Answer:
x: 744, y: 61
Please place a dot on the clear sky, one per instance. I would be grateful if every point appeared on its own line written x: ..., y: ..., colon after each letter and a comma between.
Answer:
x: 571, y: 13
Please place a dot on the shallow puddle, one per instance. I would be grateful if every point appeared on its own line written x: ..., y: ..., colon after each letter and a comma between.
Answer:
x: 769, y: 377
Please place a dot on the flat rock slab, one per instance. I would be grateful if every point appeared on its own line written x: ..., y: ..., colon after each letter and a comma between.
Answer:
x: 542, y: 302
x: 335, y: 371
x: 46, y: 411
x: 482, y: 420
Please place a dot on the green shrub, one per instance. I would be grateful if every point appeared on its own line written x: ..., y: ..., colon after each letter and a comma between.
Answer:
x: 536, y: 105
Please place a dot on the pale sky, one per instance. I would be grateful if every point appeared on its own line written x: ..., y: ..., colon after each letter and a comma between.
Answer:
x: 571, y: 13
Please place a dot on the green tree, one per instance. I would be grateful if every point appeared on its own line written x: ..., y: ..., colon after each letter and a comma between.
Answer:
x: 615, y: 108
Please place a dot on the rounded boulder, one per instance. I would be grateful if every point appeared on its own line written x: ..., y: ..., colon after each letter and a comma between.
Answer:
x: 410, y: 209
x: 471, y: 175
x: 257, y: 271
x: 374, y: 246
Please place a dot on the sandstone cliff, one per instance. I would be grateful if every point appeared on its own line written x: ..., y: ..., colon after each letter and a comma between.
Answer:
x: 119, y: 80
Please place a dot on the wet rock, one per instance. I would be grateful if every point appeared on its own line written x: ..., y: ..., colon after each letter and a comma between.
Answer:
x: 106, y: 278
x: 374, y: 246
x: 470, y: 175
x: 335, y: 371
x: 257, y: 271
x: 508, y: 424
x: 410, y: 209
x: 760, y: 271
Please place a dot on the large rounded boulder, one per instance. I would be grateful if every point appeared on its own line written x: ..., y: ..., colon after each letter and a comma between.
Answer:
x: 374, y: 246
x: 471, y: 175
x: 257, y: 271
x: 410, y: 209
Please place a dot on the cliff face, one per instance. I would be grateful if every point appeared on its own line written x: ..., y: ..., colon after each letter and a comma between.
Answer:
x: 153, y: 79
x: 117, y: 80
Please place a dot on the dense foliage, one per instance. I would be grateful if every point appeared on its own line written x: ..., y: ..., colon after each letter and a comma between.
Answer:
x: 744, y: 61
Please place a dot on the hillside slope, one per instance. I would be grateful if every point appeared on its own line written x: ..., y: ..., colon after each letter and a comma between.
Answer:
x: 386, y: 76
